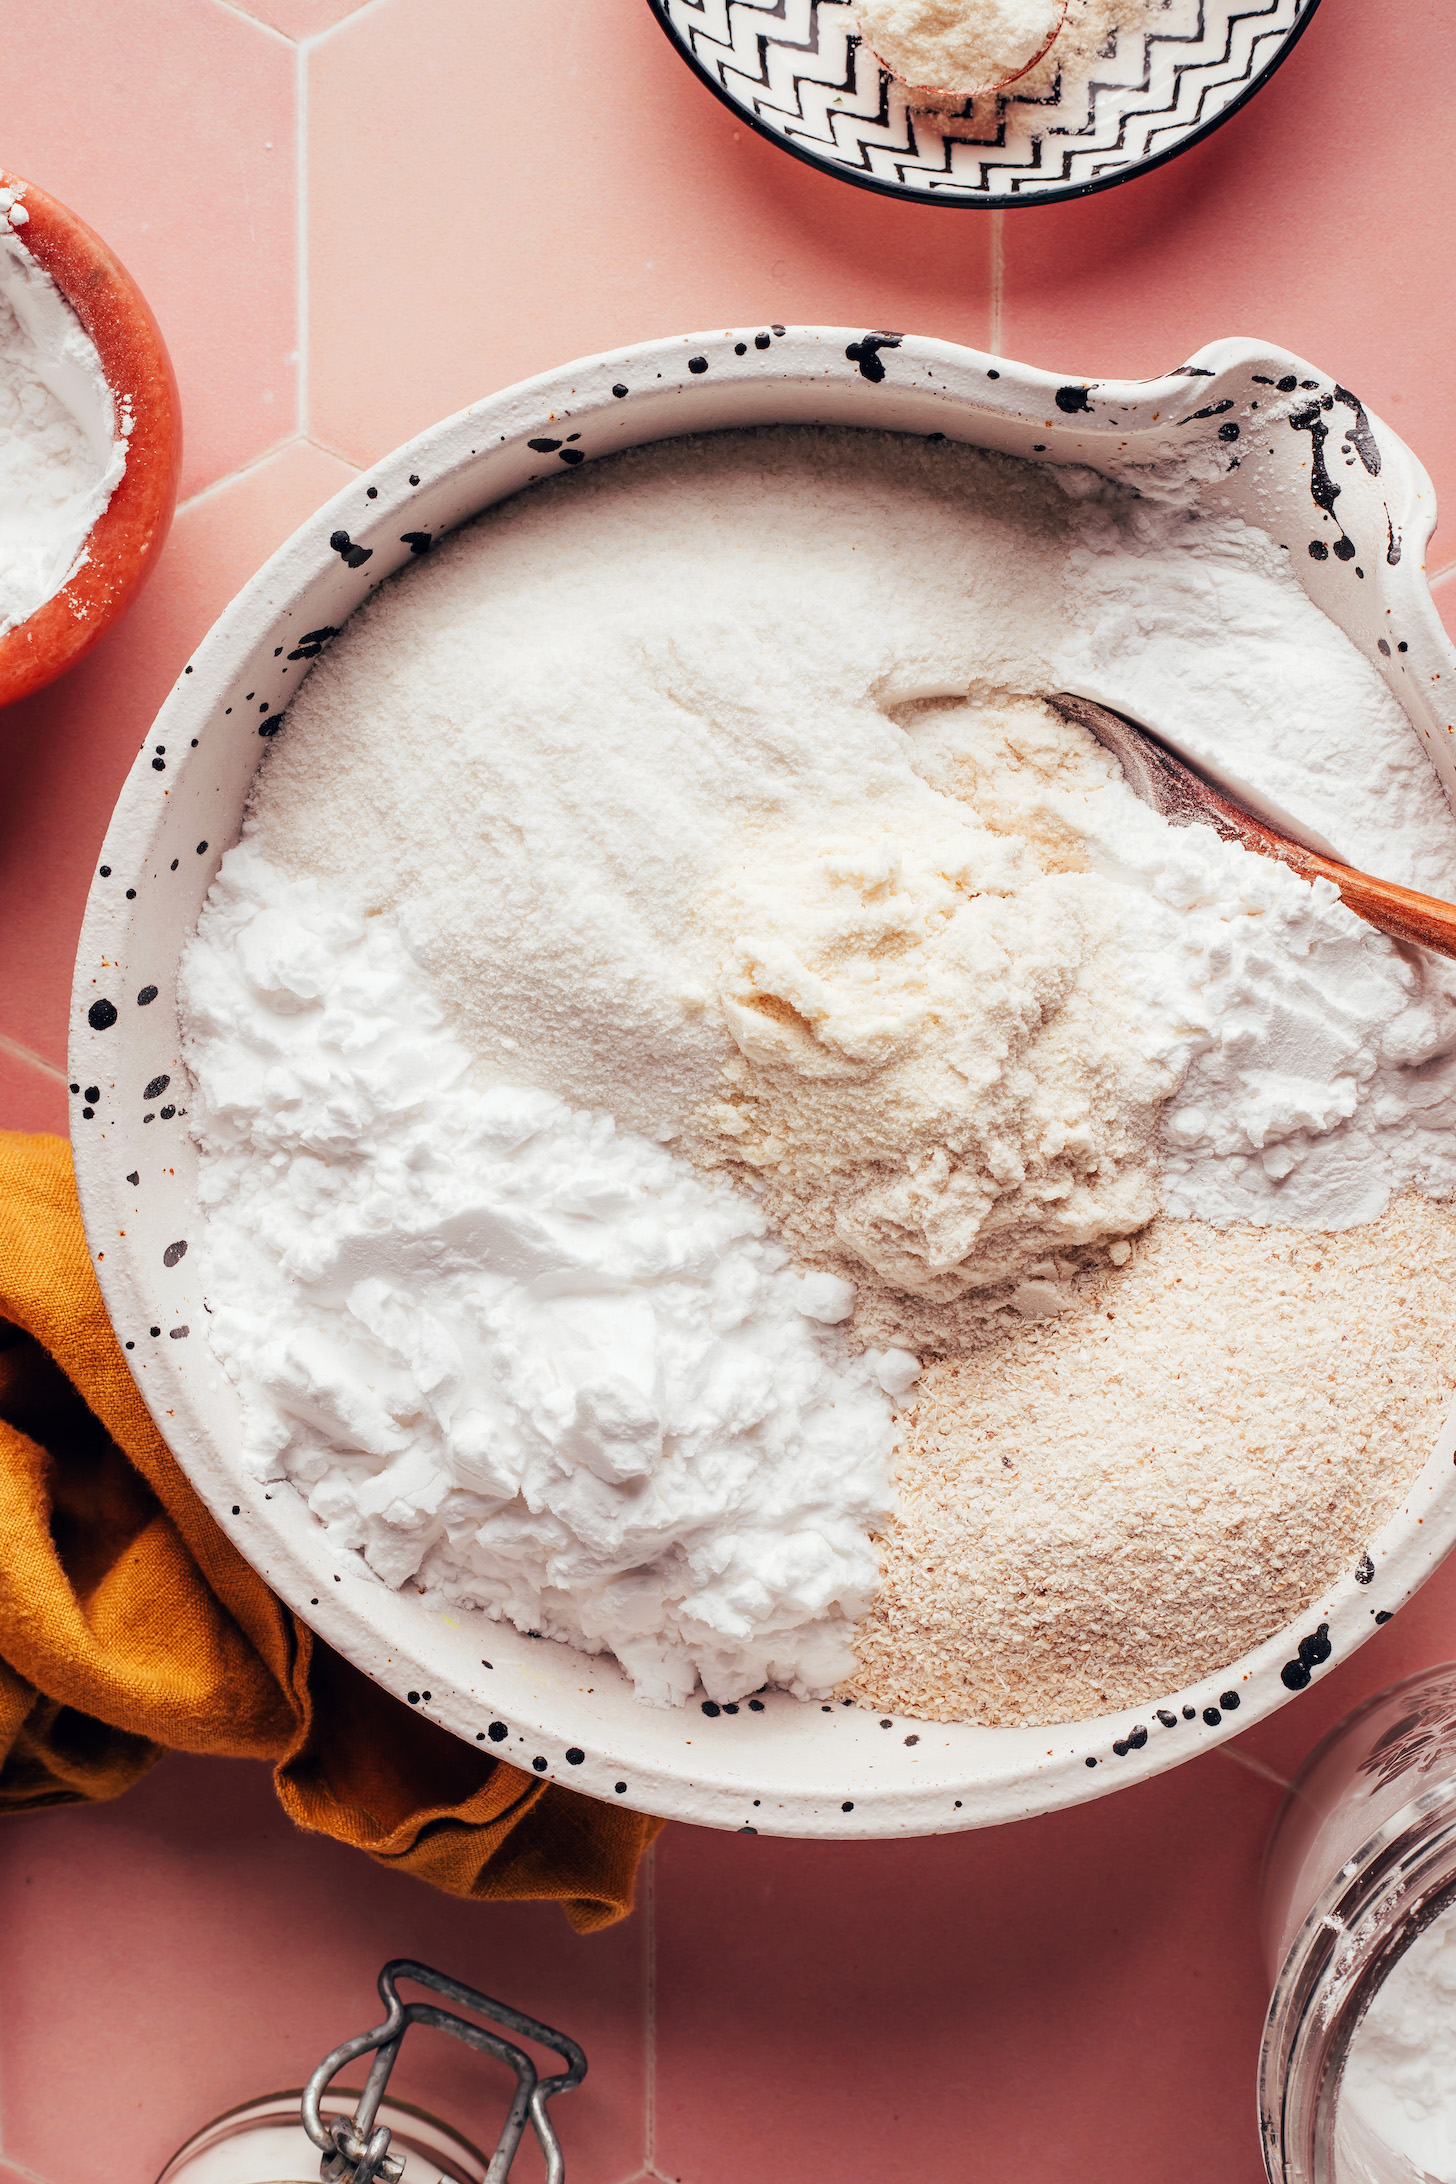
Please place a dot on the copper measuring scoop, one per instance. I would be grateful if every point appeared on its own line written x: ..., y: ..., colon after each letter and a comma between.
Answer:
x: 1185, y: 797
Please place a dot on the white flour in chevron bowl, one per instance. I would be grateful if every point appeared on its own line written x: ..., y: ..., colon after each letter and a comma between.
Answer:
x: 959, y: 45
x: 1096, y: 41
x: 702, y: 808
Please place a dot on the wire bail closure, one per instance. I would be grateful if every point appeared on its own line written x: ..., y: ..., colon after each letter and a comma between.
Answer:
x: 355, y: 2151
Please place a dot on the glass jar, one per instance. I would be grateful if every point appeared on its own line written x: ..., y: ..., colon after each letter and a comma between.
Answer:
x: 263, y: 2142
x: 1361, y: 1861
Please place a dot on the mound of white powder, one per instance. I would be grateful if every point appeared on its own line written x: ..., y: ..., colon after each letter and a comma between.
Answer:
x: 1101, y: 45
x: 530, y: 1362
x: 62, y: 452
x: 1399, y: 2085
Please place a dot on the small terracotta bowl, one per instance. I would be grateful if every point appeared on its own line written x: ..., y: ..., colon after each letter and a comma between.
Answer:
x: 126, y: 538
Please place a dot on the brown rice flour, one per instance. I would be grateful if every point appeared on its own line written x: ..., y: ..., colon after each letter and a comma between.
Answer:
x: 1097, y: 1508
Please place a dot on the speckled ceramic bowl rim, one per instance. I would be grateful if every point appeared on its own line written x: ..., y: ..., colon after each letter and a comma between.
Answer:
x: 1257, y: 425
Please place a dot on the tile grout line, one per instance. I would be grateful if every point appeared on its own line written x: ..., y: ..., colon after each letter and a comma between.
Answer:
x: 19, y: 1053
x: 279, y: 447
x: 242, y: 15
x: 331, y: 30
x: 14, y: 2168
x: 1257, y: 1767
x: 231, y: 477
x: 998, y: 278
x: 355, y: 463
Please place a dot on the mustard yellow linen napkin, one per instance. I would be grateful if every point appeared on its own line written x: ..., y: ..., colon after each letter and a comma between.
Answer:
x: 129, y: 1624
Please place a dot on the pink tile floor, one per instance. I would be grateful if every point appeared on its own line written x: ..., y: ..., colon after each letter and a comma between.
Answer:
x: 352, y: 219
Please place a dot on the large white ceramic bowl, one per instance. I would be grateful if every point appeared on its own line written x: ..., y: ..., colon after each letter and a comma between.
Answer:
x: 1270, y: 438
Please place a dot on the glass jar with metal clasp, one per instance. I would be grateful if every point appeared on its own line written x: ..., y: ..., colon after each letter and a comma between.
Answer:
x: 292, y: 2138
x: 1361, y: 1868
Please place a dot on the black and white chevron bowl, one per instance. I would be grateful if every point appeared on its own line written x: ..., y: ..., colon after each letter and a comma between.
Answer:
x: 797, y: 72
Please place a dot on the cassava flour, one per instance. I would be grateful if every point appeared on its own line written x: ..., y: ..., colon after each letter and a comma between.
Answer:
x: 62, y: 447
x: 702, y: 808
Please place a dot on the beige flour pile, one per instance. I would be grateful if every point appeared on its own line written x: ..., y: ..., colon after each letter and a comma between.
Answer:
x: 952, y: 1057
x: 1105, y: 1506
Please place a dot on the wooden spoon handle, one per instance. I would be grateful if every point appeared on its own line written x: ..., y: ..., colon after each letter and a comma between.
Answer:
x: 1185, y: 798
x: 1398, y: 911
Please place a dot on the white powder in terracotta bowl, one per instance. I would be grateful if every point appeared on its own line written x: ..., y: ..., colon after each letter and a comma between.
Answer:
x: 62, y: 452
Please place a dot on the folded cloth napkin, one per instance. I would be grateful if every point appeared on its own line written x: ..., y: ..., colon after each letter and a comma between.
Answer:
x: 130, y: 1624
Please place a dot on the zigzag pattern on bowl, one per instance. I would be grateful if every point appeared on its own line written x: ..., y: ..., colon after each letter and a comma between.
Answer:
x: 798, y: 68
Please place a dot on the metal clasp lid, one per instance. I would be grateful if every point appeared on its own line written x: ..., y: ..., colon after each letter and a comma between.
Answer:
x: 356, y: 2152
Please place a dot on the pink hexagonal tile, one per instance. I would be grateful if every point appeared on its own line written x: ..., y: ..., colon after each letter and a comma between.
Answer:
x: 183, y: 1950
x: 1279, y: 227
x: 68, y: 747
x: 494, y: 190
x: 169, y: 125
x: 1058, y: 1999
x: 32, y: 1094
x: 1081, y: 1995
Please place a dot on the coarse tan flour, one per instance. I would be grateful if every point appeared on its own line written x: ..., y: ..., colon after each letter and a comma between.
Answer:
x: 708, y: 791
x: 1108, y: 1505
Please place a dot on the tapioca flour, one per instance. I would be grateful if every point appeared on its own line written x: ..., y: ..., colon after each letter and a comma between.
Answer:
x: 709, y: 789
x: 62, y: 445
x: 522, y: 1359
